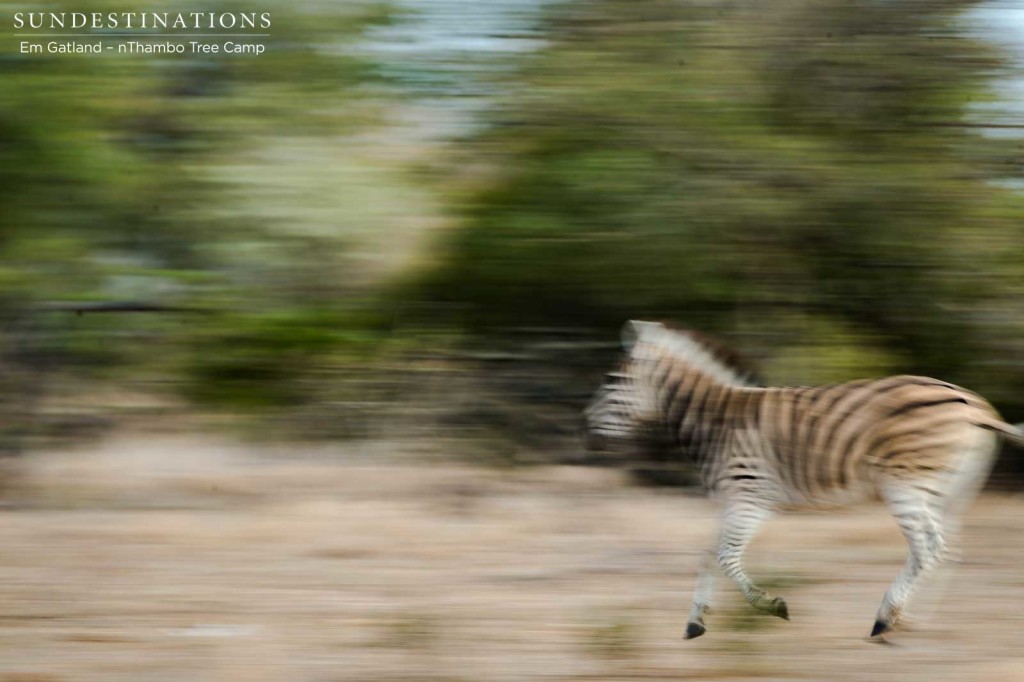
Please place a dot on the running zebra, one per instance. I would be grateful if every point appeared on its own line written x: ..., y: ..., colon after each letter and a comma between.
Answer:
x: 923, y: 446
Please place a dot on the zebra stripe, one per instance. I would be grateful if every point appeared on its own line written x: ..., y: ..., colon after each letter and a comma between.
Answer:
x: 922, y: 445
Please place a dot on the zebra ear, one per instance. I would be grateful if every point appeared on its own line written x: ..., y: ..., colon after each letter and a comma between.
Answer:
x: 633, y: 330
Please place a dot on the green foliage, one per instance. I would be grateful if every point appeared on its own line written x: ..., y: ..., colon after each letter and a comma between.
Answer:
x: 823, y: 350
x: 795, y: 174
x: 747, y: 167
x: 260, y: 361
x: 108, y: 191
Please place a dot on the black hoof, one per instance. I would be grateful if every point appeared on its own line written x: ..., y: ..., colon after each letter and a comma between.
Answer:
x: 880, y: 628
x: 779, y: 608
x: 694, y: 630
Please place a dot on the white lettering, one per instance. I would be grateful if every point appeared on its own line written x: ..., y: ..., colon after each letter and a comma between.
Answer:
x: 239, y: 48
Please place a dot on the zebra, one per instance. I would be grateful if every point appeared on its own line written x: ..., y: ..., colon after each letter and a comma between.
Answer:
x: 924, y: 446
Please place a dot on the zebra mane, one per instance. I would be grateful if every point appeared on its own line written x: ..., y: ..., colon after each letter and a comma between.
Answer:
x: 709, y: 355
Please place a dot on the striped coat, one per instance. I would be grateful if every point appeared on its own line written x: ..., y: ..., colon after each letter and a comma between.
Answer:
x: 922, y: 445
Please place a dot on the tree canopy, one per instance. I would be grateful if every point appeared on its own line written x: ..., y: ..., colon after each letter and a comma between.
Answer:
x: 801, y: 174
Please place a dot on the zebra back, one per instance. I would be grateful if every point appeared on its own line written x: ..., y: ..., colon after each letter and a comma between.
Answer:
x: 795, y: 445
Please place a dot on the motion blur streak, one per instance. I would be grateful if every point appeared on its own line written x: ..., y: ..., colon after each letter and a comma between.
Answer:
x: 294, y: 345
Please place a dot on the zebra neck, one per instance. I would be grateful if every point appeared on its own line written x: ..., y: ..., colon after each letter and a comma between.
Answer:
x: 700, y: 411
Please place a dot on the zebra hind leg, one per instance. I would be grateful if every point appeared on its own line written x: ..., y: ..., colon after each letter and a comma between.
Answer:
x: 949, y: 509
x: 739, y: 525
x: 909, y: 504
x: 971, y: 474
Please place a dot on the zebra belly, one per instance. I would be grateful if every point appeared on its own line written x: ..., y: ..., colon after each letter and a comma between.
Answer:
x: 765, y: 488
x: 789, y: 483
x: 833, y: 498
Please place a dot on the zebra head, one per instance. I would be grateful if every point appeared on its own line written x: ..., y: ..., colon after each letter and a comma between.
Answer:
x: 626, y: 408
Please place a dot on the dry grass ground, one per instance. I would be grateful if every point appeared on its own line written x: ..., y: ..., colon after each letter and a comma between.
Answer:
x: 176, y: 558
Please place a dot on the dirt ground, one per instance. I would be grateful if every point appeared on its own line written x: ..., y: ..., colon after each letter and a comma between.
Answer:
x: 170, y: 557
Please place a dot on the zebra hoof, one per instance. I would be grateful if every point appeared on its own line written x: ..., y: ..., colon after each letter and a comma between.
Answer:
x: 880, y: 628
x: 694, y: 630
x: 778, y: 608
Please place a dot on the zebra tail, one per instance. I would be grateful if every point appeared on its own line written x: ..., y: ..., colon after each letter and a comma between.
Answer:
x: 1011, y: 433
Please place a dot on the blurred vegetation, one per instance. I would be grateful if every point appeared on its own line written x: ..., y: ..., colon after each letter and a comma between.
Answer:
x: 805, y: 177
x: 800, y: 175
x: 111, y: 188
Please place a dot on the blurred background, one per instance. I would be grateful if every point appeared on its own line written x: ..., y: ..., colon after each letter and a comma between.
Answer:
x: 328, y: 316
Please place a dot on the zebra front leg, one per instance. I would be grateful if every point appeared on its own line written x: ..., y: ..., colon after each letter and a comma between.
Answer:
x: 739, y: 525
x: 909, y: 505
x: 701, y: 597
